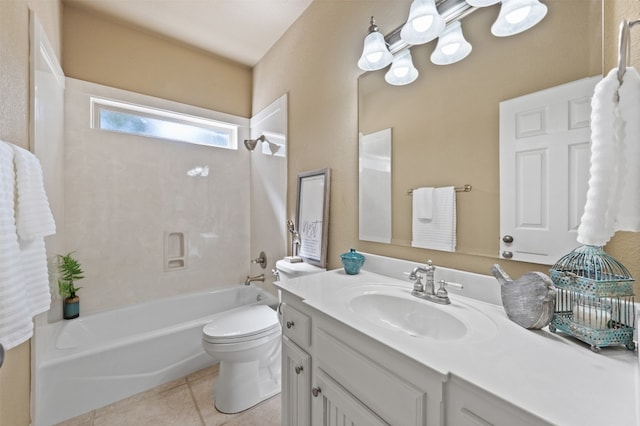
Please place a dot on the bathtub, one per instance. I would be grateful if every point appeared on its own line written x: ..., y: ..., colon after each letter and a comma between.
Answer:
x: 100, y: 358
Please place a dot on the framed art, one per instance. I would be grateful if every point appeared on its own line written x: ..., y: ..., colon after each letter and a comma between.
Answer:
x: 313, y: 215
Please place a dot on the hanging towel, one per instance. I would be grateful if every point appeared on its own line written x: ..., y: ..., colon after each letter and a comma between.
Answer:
x: 439, y: 233
x: 614, y: 160
x: 16, y: 325
x: 628, y: 218
x: 33, y: 215
x: 423, y: 202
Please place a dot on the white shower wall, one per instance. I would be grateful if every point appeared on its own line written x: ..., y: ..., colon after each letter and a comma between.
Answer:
x: 123, y: 192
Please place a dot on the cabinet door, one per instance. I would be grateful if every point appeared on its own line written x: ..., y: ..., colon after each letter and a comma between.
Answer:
x: 544, y: 171
x: 468, y: 405
x: 296, y: 385
x: 334, y: 406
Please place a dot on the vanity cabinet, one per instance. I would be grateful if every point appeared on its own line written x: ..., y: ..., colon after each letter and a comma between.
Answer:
x: 352, y: 378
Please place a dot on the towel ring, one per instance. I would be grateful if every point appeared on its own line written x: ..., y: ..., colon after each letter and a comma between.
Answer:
x: 624, y: 46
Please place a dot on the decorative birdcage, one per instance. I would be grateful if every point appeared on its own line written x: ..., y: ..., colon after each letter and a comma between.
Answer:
x: 594, y: 302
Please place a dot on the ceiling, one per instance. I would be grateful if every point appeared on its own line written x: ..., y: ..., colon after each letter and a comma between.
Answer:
x: 241, y: 30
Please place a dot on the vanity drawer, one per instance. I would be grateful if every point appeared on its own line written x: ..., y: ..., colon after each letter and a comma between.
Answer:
x: 296, y: 326
x: 392, y: 398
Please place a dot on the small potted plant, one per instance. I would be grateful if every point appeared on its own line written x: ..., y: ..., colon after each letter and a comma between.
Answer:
x: 70, y: 271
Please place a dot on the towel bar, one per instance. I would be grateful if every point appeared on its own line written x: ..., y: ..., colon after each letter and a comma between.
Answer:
x: 465, y: 188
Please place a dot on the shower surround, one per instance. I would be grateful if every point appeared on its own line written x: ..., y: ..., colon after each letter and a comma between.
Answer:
x: 122, y: 193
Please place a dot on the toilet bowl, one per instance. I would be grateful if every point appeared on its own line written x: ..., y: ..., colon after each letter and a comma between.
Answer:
x: 246, y: 342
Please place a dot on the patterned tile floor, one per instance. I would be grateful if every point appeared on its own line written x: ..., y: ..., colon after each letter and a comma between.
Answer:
x: 183, y: 402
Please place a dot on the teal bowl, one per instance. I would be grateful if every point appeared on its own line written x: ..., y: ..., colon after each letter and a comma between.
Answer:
x: 352, y: 262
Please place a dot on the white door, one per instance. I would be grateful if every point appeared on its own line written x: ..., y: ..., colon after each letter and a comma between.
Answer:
x: 544, y: 171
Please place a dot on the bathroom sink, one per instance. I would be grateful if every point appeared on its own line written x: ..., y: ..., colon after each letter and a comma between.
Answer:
x: 409, y: 315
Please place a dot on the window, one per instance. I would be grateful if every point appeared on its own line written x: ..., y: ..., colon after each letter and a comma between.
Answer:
x: 139, y: 120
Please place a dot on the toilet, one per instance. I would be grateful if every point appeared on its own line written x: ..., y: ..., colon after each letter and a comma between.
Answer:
x: 247, y: 343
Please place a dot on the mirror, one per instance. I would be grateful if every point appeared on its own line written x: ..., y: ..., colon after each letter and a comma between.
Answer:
x: 445, y: 125
x: 313, y: 215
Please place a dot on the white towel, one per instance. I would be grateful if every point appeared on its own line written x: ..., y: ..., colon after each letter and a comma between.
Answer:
x: 423, y: 203
x: 33, y: 215
x: 613, y: 199
x: 439, y: 233
x: 16, y: 325
x: 628, y: 218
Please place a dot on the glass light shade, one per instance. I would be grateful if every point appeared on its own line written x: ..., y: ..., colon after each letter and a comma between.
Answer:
x: 402, y: 70
x: 375, y: 54
x: 482, y: 3
x: 517, y: 16
x: 452, y: 46
x: 424, y: 23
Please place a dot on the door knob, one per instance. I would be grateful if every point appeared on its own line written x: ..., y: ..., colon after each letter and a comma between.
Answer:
x: 298, y: 369
x: 507, y: 254
x: 290, y: 324
x: 507, y: 239
x: 316, y: 391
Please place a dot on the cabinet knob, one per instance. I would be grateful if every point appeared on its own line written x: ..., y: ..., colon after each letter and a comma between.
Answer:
x: 507, y: 239
x: 507, y: 254
x: 298, y: 369
x: 316, y: 391
x: 290, y: 324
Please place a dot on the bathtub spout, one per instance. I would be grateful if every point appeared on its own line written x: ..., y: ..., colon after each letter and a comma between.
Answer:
x: 251, y: 279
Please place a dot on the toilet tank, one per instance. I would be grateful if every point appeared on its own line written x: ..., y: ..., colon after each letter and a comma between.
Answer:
x: 287, y: 270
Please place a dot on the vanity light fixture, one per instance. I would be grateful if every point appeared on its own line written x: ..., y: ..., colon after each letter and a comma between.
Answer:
x: 482, y: 3
x: 429, y: 19
x: 517, y: 16
x: 250, y: 144
x: 424, y: 23
x: 402, y: 70
x: 375, y: 54
x: 452, y: 46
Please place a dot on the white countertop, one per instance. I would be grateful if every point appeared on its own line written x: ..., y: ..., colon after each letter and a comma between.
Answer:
x: 555, y: 377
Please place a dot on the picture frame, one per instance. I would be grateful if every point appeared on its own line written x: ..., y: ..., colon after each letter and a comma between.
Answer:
x: 312, y: 215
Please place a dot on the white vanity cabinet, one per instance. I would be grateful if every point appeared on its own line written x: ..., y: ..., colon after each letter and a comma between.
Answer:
x: 353, y: 377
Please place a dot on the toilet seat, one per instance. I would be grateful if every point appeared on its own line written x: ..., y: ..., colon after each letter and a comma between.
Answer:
x: 242, y: 324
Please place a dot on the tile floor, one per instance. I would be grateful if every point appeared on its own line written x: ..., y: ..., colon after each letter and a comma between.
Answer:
x: 183, y: 402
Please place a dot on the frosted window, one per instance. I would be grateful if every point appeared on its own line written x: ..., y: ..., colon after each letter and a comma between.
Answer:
x: 143, y: 121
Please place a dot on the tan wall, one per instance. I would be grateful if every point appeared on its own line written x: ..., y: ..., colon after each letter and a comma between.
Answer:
x: 104, y: 51
x: 15, y: 374
x: 315, y: 62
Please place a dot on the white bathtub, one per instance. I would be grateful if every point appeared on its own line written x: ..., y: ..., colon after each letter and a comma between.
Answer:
x: 97, y: 359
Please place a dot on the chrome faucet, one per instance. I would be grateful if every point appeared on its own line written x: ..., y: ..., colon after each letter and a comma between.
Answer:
x: 427, y: 290
x: 251, y: 279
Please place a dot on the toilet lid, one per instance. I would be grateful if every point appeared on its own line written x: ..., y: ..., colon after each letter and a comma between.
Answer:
x: 245, y: 322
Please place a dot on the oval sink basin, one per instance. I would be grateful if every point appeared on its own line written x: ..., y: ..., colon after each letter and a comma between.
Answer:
x: 414, y: 317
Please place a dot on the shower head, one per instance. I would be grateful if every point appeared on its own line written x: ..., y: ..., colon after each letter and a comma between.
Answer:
x: 251, y: 144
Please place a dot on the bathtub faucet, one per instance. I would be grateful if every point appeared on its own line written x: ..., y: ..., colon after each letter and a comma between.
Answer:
x: 250, y: 279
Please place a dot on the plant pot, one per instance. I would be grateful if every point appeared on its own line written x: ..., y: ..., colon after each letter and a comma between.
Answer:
x: 71, y: 307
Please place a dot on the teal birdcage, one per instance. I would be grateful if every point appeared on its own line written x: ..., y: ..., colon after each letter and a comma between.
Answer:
x: 594, y: 302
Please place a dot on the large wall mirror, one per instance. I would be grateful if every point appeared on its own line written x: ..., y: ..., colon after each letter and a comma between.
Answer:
x: 445, y: 125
